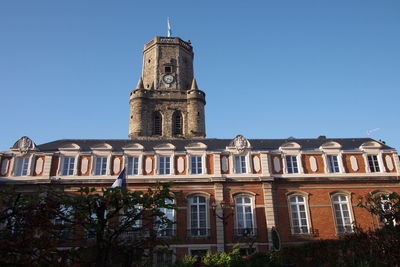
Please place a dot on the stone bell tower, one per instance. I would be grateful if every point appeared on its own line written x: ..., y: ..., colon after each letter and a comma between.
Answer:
x: 167, y: 102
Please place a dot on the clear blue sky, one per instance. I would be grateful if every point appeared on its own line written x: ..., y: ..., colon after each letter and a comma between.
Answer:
x: 270, y: 69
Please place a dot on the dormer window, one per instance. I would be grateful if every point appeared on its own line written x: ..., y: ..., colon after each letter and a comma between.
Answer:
x: 101, y: 166
x: 291, y: 164
x: 373, y: 163
x: 333, y: 165
x: 196, y: 165
x: 164, y: 165
x: 68, y: 166
x: 22, y: 166
x: 240, y: 164
x: 133, y: 165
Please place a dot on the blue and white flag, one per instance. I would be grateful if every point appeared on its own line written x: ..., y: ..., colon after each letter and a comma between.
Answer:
x: 169, y: 28
x: 121, y: 180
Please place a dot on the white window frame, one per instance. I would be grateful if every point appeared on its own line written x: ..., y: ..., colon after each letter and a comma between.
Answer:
x: 198, y: 159
x: 69, y: 170
x: 24, y: 170
x: 243, y: 207
x: 301, y: 231
x: 331, y: 165
x: 291, y: 161
x: 164, y: 167
x: 207, y: 216
x: 168, y: 228
x: 376, y: 163
x: 132, y: 168
x: 104, y: 158
x: 347, y: 227
x: 238, y: 161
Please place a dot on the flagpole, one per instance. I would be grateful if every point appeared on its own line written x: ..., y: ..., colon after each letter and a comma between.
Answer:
x: 169, y: 28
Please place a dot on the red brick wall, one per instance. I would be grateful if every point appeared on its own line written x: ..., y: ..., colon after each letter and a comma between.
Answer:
x: 307, y: 166
x: 360, y: 162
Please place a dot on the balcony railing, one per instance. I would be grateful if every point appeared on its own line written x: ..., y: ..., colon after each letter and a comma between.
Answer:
x: 305, y: 231
x: 344, y: 229
x: 168, y: 232
x: 198, y: 232
x: 246, y: 232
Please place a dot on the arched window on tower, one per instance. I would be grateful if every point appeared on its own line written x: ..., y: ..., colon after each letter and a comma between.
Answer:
x: 177, y: 123
x: 157, y: 123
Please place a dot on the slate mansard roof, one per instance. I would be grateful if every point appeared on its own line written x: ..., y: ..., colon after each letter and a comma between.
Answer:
x: 212, y: 144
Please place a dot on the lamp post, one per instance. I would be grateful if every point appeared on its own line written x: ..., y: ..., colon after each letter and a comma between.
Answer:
x: 224, y: 216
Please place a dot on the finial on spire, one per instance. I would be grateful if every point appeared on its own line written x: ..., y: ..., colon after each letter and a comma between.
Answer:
x: 169, y: 27
x: 194, y: 85
x: 140, y: 84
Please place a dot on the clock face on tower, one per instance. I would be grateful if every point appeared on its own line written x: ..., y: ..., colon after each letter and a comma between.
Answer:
x: 168, y: 79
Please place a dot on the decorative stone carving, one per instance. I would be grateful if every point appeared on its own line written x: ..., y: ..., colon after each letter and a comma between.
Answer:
x: 354, y: 163
x: 224, y: 163
x: 39, y: 166
x: 4, y: 166
x: 116, y: 165
x: 256, y: 163
x: 84, y: 165
x: 181, y: 165
x: 277, y: 164
x: 313, y: 164
x: 240, y: 143
x: 149, y: 165
x: 24, y: 144
x: 389, y: 162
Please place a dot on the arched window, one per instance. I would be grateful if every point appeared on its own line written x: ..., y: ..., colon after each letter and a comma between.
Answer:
x: 177, y: 123
x: 299, y: 214
x: 157, y: 123
x: 244, y: 216
x: 198, y: 212
x: 341, y: 207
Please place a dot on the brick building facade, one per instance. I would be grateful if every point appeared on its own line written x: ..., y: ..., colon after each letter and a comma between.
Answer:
x: 233, y: 191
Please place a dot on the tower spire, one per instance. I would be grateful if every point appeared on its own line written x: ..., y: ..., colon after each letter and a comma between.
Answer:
x: 194, y: 85
x: 140, y: 84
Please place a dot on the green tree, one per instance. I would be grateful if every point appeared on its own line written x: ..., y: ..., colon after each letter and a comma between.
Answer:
x: 104, y: 227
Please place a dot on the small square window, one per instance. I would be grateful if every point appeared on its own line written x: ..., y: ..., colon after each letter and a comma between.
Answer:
x: 168, y: 69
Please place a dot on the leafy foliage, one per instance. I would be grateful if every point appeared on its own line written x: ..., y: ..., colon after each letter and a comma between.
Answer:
x: 106, y: 226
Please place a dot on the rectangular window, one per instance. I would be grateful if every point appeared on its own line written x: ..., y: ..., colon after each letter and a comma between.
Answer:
x: 133, y: 165
x: 198, y: 216
x: 333, y: 164
x: 373, y: 163
x: 164, y: 258
x: 164, y: 165
x: 240, y: 164
x: 167, y: 229
x: 196, y: 165
x: 101, y: 166
x: 244, y: 217
x: 342, y: 214
x: 22, y: 166
x: 68, y: 166
x: 291, y: 162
